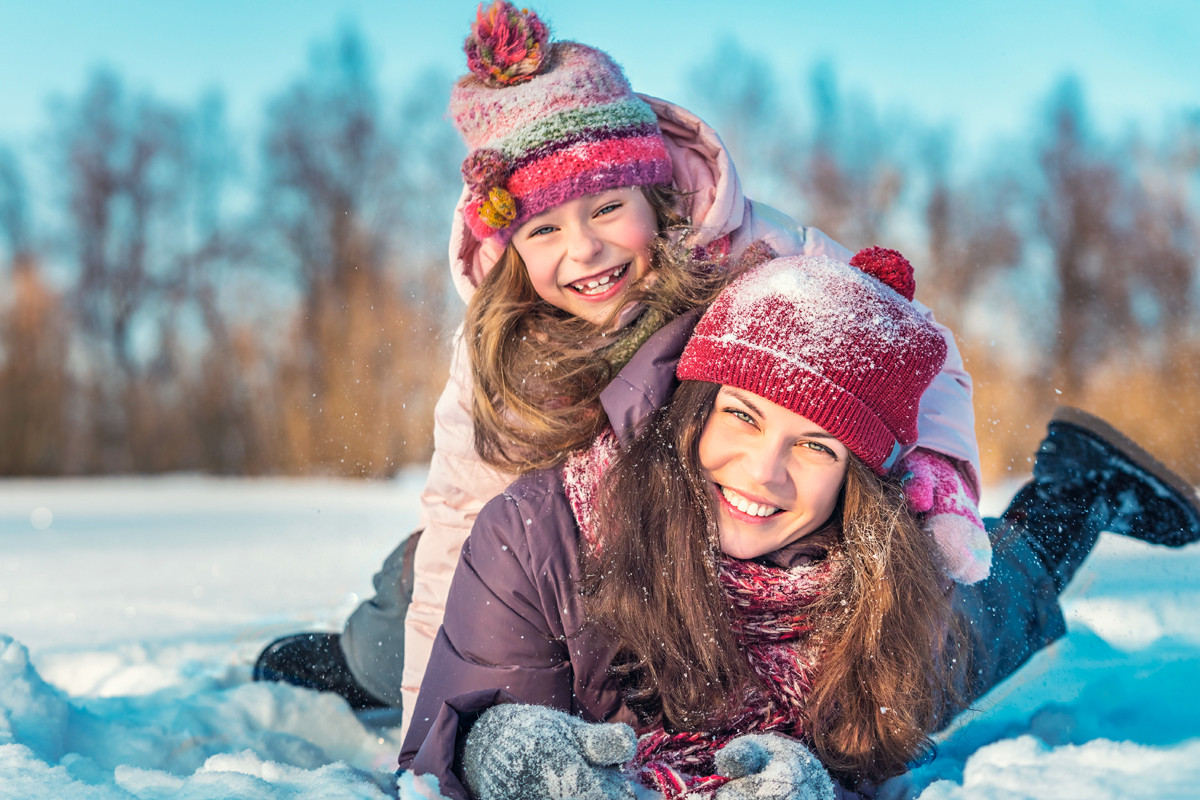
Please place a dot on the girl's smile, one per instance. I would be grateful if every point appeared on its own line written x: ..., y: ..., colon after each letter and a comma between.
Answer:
x: 581, y: 255
x: 776, y: 475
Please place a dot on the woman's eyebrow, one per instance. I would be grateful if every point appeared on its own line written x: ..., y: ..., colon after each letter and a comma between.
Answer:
x: 745, y: 400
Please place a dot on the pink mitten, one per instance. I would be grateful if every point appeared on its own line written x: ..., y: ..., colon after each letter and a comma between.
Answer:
x: 935, y: 488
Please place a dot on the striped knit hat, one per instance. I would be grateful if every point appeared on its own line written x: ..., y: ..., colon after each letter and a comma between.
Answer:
x: 838, y: 344
x: 545, y: 123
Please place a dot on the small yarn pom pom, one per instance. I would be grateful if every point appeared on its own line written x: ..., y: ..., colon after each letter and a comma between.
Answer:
x: 506, y: 45
x: 499, y: 210
x: 887, y: 266
x: 484, y: 169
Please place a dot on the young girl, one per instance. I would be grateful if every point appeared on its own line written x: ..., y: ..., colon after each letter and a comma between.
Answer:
x: 582, y: 209
x: 754, y: 588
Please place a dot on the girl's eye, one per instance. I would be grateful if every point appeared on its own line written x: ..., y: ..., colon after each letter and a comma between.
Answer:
x: 541, y: 231
x: 608, y: 208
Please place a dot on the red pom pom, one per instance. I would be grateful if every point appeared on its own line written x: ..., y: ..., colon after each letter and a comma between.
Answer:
x: 506, y: 45
x: 888, y: 266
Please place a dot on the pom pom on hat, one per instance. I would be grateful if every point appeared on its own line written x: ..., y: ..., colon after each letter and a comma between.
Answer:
x: 887, y: 266
x: 506, y: 46
x: 485, y: 169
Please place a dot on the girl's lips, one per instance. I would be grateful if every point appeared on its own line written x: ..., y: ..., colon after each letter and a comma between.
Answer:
x: 607, y: 284
x: 745, y: 516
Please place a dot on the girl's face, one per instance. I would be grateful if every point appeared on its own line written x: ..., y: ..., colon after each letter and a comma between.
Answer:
x: 582, y: 254
x: 776, y: 476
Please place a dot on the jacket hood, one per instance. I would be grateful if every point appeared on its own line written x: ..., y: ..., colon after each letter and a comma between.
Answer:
x: 701, y: 167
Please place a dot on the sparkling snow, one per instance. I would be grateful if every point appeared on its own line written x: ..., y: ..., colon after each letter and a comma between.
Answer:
x: 131, y: 611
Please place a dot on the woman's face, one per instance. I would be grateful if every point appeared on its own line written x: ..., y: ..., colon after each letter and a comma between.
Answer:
x: 776, y: 476
x: 582, y: 254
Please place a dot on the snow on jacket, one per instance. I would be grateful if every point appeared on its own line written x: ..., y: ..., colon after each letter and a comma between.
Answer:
x: 513, y: 629
x: 459, y: 483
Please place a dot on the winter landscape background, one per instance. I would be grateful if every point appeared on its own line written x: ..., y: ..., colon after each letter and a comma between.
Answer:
x: 131, y: 610
x: 222, y: 252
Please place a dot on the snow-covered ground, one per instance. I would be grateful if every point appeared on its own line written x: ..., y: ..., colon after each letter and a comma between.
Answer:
x: 131, y: 611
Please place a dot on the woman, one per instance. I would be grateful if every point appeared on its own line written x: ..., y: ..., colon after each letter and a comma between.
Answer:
x: 754, y: 589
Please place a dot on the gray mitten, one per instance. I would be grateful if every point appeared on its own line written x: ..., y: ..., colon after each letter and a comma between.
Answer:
x: 766, y: 766
x: 518, y: 752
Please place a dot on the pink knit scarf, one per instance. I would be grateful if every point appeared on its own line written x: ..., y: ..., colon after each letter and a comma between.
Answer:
x: 769, y: 612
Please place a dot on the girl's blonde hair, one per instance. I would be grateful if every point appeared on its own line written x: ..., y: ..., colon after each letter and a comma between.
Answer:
x: 538, y: 371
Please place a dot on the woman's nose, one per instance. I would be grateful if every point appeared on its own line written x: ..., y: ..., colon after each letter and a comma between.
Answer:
x: 766, y: 465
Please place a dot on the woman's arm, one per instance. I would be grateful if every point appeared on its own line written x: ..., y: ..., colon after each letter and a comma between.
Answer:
x: 497, y: 637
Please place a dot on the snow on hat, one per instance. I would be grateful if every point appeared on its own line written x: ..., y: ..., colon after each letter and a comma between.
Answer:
x: 545, y: 123
x: 840, y: 345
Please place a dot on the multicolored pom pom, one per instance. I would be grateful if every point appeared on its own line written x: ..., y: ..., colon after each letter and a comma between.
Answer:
x: 889, y: 267
x: 506, y: 45
x: 500, y: 208
x: 485, y: 169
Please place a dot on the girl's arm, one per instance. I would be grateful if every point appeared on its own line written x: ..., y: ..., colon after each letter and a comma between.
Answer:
x: 458, y: 486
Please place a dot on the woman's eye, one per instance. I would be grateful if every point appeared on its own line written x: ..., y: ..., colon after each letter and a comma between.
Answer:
x: 819, y: 448
x: 737, y: 413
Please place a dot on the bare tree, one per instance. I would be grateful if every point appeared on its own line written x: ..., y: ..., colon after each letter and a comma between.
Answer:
x: 333, y: 199
x: 33, y: 343
x: 852, y: 174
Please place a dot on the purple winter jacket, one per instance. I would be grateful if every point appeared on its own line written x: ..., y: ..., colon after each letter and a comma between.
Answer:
x: 511, y: 632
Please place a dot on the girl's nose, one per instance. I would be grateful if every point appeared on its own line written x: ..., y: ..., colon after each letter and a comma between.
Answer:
x: 583, y: 244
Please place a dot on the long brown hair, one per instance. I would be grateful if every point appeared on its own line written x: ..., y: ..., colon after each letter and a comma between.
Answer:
x: 538, y: 371
x: 885, y: 667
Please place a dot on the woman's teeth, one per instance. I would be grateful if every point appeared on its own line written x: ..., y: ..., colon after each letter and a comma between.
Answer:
x: 745, y: 506
x: 600, y: 285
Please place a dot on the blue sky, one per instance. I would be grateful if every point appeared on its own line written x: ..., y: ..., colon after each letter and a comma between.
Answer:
x: 983, y: 67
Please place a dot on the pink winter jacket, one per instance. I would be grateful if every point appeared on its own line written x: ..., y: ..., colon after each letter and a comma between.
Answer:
x: 459, y: 484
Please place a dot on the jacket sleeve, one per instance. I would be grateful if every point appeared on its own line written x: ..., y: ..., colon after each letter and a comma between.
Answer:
x: 947, y: 420
x: 457, y: 487
x: 497, y: 635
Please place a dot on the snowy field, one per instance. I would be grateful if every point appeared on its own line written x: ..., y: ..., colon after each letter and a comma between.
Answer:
x: 131, y: 611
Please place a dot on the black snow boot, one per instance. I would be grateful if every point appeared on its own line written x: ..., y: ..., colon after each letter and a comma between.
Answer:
x: 314, y: 661
x: 1088, y: 477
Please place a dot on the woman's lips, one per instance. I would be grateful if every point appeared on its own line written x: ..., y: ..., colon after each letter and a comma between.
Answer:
x: 745, y: 508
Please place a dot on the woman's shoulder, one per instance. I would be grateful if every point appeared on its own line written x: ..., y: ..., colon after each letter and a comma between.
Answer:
x: 532, y: 516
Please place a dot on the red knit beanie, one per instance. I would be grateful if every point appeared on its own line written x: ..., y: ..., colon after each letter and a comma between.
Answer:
x: 829, y: 342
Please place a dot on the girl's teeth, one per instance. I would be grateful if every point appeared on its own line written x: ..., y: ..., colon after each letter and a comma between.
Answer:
x: 595, y: 284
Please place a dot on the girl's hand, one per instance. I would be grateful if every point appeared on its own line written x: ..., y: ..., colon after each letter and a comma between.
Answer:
x: 935, y: 488
x: 767, y: 766
x: 520, y: 752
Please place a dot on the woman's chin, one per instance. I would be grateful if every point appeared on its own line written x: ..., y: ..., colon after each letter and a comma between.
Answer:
x: 737, y: 548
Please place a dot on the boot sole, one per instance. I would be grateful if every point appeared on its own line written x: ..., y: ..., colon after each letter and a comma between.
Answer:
x: 1131, y: 450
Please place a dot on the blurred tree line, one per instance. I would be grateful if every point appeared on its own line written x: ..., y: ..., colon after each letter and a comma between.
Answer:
x: 179, y: 306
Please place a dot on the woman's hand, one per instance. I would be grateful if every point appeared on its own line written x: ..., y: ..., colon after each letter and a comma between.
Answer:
x: 766, y: 766
x: 520, y: 752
